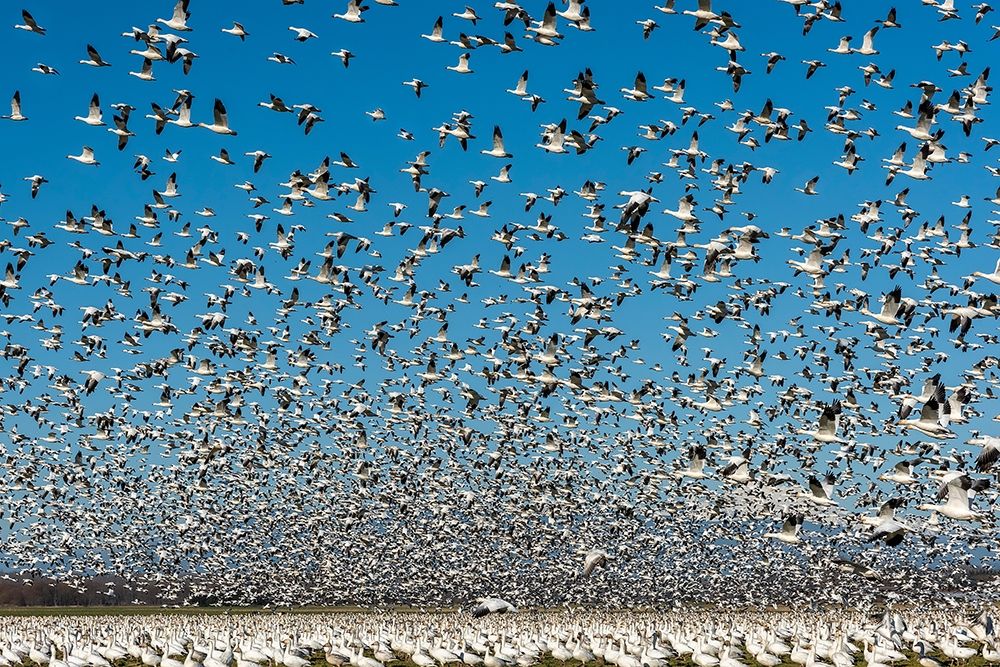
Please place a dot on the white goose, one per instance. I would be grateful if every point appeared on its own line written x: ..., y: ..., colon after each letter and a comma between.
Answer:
x: 463, y: 65
x: 498, y: 149
x: 15, y: 108
x: 94, y: 116
x: 790, y: 531
x: 95, y: 59
x: 85, y: 157
x: 178, y: 21
x: 956, y: 486
x: 220, y: 124
x: 993, y: 277
x: 30, y: 24
x: 353, y: 12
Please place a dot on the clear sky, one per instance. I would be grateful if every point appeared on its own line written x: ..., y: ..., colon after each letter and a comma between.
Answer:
x: 389, y: 50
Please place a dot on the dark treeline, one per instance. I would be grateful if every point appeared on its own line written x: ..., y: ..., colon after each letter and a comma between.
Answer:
x: 37, y: 591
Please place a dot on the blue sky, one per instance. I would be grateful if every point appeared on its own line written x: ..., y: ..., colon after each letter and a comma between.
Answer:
x: 389, y: 50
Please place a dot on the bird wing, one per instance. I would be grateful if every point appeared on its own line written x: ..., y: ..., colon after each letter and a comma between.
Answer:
x: 816, y: 487
x: 890, y: 305
x: 989, y: 455
x: 958, y: 494
x: 180, y: 11
x: 866, y: 43
x: 930, y: 411
x: 498, y: 139
x: 219, y: 112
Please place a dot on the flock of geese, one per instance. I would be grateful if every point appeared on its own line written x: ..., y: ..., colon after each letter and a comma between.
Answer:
x: 749, y: 357
x: 642, y: 639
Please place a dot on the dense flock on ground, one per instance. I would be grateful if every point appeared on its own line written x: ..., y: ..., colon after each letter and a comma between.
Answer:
x: 720, y: 638
x: 602, y: 348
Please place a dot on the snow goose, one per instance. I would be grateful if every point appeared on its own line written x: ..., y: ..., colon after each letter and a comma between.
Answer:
x: 696, y: 463
x: 302, y: 34
x: 829, y: 424
x: 220, y: 124
x: 638, y: 92
x: 121, y: 131
x: 592, y: 559
x: 178, y: 21
x: 901, y: 473
x: 791, y: 529
x: 889, y: 531
x: 738, y: 469
x: 94, y: 116
x: 554, y: 138
x: 703, y: 14
x: 993, y: 277
x: 890, y: 20
x: 463, y: 65
x: 42, y: 68
x: 15, y: 108
x: 344, y: 55
x: 956, y: 486
x: 416, y: 84
x: 810, y: 186
x: 989, y: 454
x: 498, y: 149
x: 85, y: 157
x: 146, y: 72
x: 469, y: 15
x: 492, y: 605
x: 237, y: 30
x: 353, y: 12
x: 30, y: 24
x: 820, y: 491
x: 95, y: 59
x: 546, y: 30
x: 437, y: 32
x: 933, y: 419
